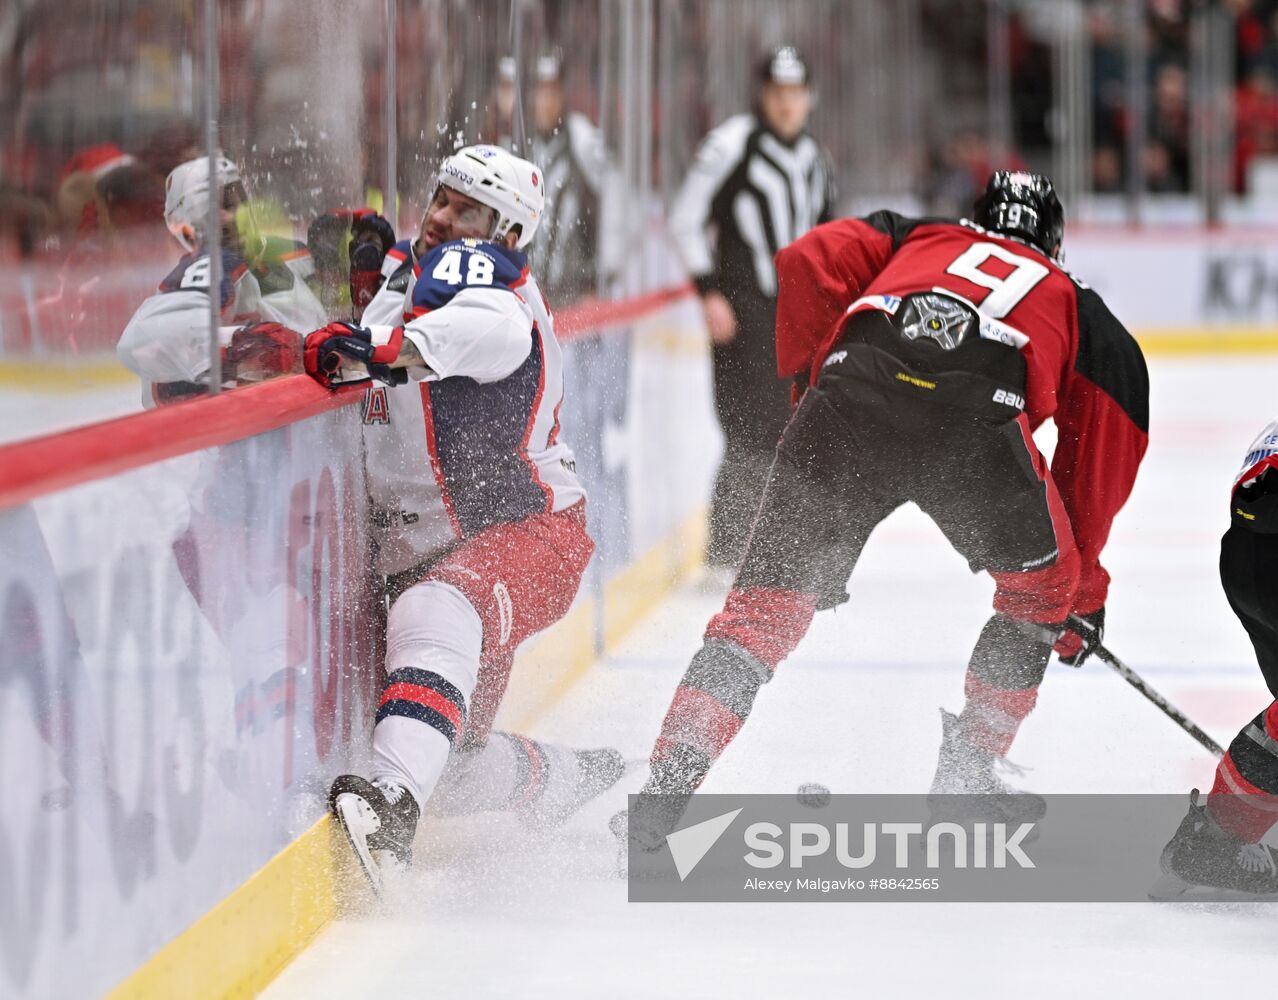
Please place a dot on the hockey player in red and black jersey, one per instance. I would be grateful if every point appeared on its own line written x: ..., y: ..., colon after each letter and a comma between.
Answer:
x: 1217, y: 847
x: 927, y: 352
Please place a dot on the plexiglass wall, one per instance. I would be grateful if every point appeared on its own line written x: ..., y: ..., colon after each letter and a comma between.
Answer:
x: 1143, y: 111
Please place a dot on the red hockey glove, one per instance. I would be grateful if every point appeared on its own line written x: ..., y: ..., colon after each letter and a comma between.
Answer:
x: 1083, y: 633
x: 261, y: 350
x: 329, y: 349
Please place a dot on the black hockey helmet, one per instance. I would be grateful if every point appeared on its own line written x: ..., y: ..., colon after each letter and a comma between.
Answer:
x: 782, y: 64
x: 1024, y: 205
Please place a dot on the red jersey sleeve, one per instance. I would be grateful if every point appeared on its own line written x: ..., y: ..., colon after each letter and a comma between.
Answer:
x: 1102, y: 420
x: 822, y: 273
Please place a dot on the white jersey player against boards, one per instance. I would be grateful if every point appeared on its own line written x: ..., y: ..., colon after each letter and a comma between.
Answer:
x: 481, y: 528
x: 759, y: 181
x: 265, y: 289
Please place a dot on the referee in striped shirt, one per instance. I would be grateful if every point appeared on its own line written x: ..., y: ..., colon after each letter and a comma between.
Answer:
x: 758, y: 182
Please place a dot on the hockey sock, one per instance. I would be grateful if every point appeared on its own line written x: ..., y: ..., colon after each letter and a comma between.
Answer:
x: 1244, y: 796
x: 1003, y: 677
x: 757, y: 628
x: 711, y: 704
x: 418, y: 720
x: 434, y: 638
x: 510, y: 772
x: 766, y: 623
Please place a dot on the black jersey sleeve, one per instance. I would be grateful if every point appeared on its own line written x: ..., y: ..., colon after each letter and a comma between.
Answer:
x: 1102, y: 421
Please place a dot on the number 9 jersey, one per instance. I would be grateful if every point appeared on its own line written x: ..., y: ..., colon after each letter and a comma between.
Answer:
x: 992, y: 307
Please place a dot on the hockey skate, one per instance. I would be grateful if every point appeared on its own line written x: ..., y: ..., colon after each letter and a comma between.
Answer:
x: 653, y: 818
x: 967, y: 788
x: 375, y: 816
x: 598, y: 770
x: 647, y: 844
x: 1204, y: 862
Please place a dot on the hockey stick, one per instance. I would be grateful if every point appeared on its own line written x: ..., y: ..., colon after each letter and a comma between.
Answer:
x: 1168, y: 709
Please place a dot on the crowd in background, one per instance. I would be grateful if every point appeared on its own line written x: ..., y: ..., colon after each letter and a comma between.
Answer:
x: 99, y: 100
x: 1166, y: 155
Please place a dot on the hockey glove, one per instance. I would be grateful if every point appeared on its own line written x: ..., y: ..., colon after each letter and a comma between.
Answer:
x: 353, y: 227
x: 366, y: 274
x: 324, y: 239
x: 369, y: 228
x: 1083, y: 633
x: 371, y: 237
x: 1255, y: 506
x: 330, y: 349
x: 262, y: 350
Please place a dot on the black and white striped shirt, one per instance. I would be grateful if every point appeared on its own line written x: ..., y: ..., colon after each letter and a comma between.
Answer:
x: 567, y: 249
x: 759, y: 194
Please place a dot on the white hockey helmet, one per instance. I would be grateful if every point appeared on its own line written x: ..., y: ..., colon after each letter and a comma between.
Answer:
x: 512, y: 187
x: 186, y: 197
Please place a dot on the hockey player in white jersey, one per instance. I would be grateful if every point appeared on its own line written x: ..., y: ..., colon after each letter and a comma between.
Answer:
x: 480, y: 519
x: 265, y: 291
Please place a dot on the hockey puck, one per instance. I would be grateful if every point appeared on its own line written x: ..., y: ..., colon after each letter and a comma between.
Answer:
x: 813, y: 795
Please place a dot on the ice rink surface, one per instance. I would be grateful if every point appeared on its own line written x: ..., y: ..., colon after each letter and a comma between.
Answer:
x: 27, y: 412
x: 492, y: 911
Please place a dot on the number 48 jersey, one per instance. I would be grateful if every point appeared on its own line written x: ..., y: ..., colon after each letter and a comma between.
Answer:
x: 1082, y: 368
x: 475, y: 441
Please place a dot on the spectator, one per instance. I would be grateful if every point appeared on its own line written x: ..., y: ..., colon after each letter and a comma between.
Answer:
x: 1107, y: 170
x: 960, y: 173
x: 1109, y: 77
x: 1160, y: 176
x: 498, y: 127
x: 25, y: 222
x: 1256, y: 122
x: 1169, y: 127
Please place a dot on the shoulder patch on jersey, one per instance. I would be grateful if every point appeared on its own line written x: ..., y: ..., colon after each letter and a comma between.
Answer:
x: 450, y: 267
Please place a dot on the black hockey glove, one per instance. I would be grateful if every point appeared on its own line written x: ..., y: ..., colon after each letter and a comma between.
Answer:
x: 369, y: 228
x: 1083, y: 633
x: 324, y: 239
x: 1255, y: 507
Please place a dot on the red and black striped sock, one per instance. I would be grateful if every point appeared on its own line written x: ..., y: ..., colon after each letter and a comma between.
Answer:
x: 1244, y: 796
x: 427, y: 697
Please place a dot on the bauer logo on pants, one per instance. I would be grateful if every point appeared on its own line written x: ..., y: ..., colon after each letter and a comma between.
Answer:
x: 897, y: 848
